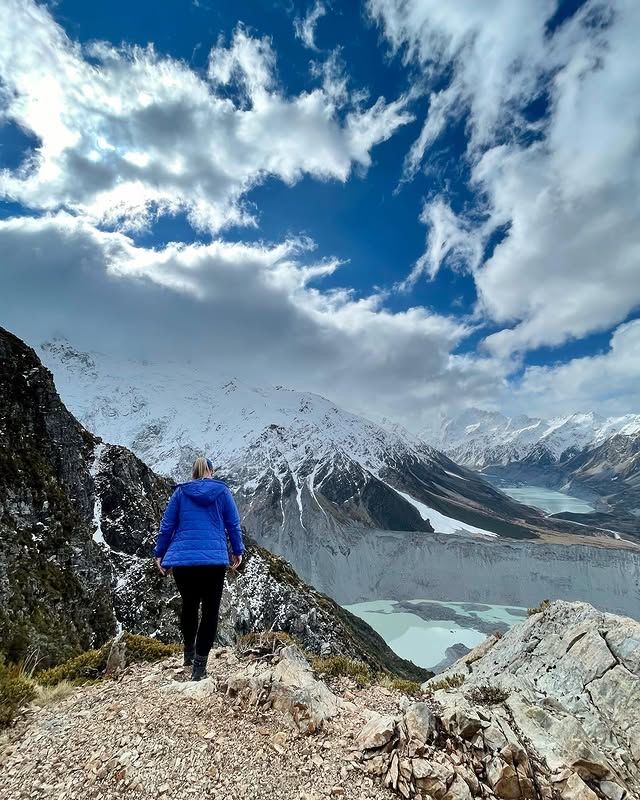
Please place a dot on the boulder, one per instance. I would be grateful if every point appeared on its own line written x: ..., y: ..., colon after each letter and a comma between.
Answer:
x: 573, y: 680
x: 294, y: 689
x: 421, y: 723
x: 376, y: 732
x: 575, y: 788
x: 458, y: 715
x: 611, y: 790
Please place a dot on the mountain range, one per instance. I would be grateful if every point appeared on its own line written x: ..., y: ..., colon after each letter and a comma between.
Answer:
x: 360, y: 510
x: 584, y: 455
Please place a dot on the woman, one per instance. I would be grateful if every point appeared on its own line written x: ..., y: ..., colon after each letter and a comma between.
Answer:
x: 193, y: 543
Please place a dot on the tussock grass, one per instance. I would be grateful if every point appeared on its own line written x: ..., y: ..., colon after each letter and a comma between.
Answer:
x: 262, y: 643
x: 411, y: 688
x: 91, y: 664
x: 450, y: 682
x: 50, y: 695
x: 335, y: 666
x: 16, y: 690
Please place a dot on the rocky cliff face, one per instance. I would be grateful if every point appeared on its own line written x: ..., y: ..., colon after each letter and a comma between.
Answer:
x: 567, y: 686
x: 78, y: 520
x: 55, y: 593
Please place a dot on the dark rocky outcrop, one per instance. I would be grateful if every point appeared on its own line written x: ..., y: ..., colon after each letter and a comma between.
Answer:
x: 54, y: 580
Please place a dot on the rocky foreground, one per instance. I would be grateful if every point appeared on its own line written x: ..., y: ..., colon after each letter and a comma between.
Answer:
x: 548, y: 711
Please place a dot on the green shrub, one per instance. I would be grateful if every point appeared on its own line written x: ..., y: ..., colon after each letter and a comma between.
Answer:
x: 145, y: 648
x: 487, y: 695
x: 334, y: 666
x: 543, y: 606
x: 85, y: 667
x: 450, y: 682
x: 91, y: 664
x: 15, y: 691
x: 411, y: 688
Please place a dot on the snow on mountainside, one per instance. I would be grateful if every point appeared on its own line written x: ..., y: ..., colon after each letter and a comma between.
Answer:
x: 478, y: 438
x: 297, y: 462
x: 171, y: 413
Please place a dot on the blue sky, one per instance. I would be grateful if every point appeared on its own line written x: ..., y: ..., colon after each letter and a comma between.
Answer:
x: 406, y: 206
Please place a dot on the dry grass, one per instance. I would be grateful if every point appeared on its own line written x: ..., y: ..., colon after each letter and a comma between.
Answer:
x: 49, y: 695
x: 411, y: 688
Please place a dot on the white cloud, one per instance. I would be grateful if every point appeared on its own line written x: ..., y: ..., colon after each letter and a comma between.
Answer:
x: 126, y: 134
x: 252, y: 310
x: 608, y: 382
x: 564, y: 189
x: 305, y: 27
x: 450, y: 237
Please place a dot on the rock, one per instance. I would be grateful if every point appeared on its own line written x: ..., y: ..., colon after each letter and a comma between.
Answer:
x: 295, y: 690
x: 573, y: 681
x: 505, y: 780
x: 393, y: 773
x: 376, y: 732
x: 278, y: 740
x: 337, y: 791
x: 378, y: 765
x: 576, y: 789
x: 458, y: 715
x: 116, y: 660
x: 493, y: 739
x: 611, y: 790
x: 458, y: 790
x: 420, y: 722
x: 436, y: 782
x: 469, y: 777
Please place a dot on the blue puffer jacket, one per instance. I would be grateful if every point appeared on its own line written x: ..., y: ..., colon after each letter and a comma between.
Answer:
x: 192, y: 531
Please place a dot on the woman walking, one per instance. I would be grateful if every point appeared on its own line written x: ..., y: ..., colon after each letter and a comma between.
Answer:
x: 192, y: 542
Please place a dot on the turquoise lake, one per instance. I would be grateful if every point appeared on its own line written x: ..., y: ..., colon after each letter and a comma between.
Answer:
x: 425, y: 641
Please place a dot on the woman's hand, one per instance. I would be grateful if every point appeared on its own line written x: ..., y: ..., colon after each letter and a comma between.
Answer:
x: 236, y: 561
x: 158, y: 563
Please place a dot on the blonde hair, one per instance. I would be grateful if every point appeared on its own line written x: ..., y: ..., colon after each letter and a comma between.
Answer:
x: 200, y: 468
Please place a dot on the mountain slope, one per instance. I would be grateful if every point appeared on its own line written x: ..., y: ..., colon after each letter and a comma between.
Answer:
x: 78, y: 519
x: 298, y: 463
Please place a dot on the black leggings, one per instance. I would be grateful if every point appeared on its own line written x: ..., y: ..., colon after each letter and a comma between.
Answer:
x: 199, y: 585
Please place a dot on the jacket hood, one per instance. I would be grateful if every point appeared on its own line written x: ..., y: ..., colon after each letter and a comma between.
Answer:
x: 203, y: 491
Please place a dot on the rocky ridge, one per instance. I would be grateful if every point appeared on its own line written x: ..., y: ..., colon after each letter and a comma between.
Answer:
x: 263, y: 725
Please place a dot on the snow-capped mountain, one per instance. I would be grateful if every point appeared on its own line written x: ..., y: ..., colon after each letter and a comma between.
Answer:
x: 584, y: 455
x: 478, y: 438
x: 306, y: 473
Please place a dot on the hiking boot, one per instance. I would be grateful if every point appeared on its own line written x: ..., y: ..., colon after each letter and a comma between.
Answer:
x: 189, y: 653
x: 199, y: 668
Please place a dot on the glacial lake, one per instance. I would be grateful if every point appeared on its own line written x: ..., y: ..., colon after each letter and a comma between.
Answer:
x: 422, y: 630
x: 546, y: 499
